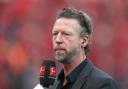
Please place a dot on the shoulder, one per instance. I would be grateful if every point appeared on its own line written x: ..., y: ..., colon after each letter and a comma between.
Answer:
x: 98, y: 73
x: 98, y: 79
x: 95, y: 72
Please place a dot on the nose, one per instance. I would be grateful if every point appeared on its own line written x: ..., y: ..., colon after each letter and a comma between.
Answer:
x: 58, y: 38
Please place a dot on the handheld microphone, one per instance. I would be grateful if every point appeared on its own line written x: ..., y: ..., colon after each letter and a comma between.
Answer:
x: 47, y: 73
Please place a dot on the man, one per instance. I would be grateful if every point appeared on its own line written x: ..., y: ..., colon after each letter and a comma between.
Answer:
x: 71, y: 42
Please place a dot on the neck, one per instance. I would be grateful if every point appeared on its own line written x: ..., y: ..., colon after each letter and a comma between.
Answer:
x: 68, y: 68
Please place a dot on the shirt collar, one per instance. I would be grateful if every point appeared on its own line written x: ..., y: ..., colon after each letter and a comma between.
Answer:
x: 75, y: 73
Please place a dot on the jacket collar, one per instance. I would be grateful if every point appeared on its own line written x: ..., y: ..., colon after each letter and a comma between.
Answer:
x: 83, y: 75
x: 81, y: 78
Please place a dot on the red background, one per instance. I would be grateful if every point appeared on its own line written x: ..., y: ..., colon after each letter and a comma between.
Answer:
x: 25, y: 37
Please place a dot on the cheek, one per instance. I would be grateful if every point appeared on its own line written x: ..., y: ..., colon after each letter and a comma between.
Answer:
x: 53, y: 43
x: 73, y: 44
x: 76, y: 44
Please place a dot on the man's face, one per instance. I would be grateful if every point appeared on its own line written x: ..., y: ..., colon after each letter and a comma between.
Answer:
x: 66, y: 39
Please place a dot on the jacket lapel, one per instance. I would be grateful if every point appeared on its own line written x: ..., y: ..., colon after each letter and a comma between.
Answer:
x: 83, y: 75
x: 81, y: 78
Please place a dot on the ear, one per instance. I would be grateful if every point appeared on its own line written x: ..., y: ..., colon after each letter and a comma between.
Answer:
x: 84, y: 40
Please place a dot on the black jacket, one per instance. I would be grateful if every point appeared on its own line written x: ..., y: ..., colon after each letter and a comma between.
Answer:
x: 92, y: 78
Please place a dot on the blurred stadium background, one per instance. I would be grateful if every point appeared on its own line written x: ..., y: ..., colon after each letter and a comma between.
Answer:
x: 25, y: 38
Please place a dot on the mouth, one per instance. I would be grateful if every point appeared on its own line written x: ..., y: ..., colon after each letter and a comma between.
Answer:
x: 59, y: 50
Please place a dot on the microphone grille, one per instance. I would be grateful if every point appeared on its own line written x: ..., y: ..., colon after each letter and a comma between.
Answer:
x: 48, y: 63
x: 47, y: 73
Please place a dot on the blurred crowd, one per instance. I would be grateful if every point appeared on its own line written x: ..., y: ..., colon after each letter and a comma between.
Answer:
x: 25, y: 38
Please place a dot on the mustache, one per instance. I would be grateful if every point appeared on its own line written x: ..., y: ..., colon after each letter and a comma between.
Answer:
x: 59, y: 48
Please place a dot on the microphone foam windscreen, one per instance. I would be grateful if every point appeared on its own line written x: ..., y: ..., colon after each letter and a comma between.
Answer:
x: 47, y: 73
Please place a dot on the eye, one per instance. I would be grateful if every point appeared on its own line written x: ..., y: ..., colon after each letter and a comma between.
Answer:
x: 66, y: 34
x: 54, y: 33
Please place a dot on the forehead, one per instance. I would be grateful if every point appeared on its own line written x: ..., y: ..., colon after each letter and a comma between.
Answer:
x: 67, y: 23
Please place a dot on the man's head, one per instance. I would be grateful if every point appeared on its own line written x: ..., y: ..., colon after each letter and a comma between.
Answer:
x: 71, y: 34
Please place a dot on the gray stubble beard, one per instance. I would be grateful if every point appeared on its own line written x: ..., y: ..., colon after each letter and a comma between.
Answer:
x: 65, y: 58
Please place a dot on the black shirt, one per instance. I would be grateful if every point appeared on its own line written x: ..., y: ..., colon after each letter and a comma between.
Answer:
x: 72, y: 77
